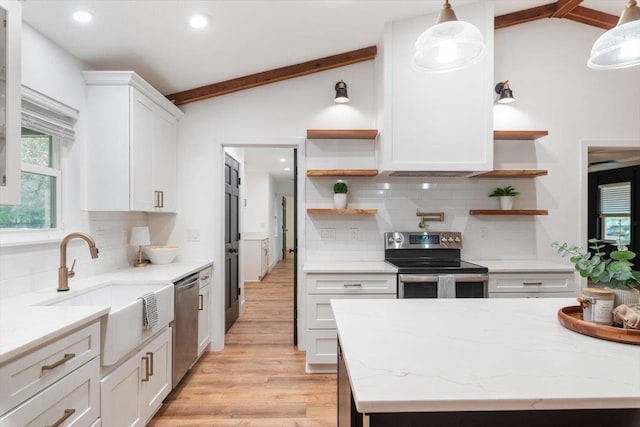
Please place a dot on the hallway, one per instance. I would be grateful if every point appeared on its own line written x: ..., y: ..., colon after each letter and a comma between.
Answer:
x: 259, y: 379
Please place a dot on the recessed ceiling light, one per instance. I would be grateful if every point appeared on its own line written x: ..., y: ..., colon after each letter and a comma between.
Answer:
x: 82, y: 16
x: 199, y: 21
x: 283, y: 160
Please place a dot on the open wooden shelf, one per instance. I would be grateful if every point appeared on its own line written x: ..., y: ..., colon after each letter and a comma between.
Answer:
x: 343, y: 211
x: 342, y: 172
x: 342, y: 133
x: 519, y: 135
x: 509, y: 212
x: 512, y: 173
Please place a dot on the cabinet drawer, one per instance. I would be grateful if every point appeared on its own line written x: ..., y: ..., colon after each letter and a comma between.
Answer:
x: 319, y: 313
x: 322, y: 346
x: 205, y: 276
x: 531, y: 295
x: 33, y: 372
x: 351, y: 283
x: 74, y: 397
x: 534, y: 282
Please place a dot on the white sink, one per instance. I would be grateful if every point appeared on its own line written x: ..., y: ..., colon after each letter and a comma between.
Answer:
x: 122, y: 332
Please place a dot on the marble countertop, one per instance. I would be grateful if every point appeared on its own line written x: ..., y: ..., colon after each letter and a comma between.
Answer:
x: 25, y: 324
x: 524, y: 266
x: 426, y: 355
x: 349, y: 267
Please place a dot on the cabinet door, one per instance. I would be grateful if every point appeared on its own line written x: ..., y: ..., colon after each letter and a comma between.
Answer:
x: 141, y: 152
x: 265, y: 258
x: 10, y: 96
x: 204, y: 323
x: 165, y: 161
x: 157, y: 371
x: 120, y: 400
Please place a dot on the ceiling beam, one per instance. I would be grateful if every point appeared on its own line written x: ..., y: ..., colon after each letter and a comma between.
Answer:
x: 593, y: 17
x: 275, y: 75
x: 563, y: 7
x: 526, y: 15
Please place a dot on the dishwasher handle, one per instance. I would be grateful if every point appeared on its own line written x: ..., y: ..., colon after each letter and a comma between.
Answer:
x: 188, y: 282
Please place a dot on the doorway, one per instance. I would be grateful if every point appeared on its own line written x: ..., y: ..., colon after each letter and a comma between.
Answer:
x: 231, y: 240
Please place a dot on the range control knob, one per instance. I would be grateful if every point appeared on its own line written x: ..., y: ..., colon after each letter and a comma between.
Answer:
x: 450, y: 239
x: 398, y: 240
x: 458, y: 240
x: 390, y: 240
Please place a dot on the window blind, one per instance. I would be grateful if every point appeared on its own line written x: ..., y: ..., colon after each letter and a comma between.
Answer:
x: 615, y: 198
x: 46, y: 115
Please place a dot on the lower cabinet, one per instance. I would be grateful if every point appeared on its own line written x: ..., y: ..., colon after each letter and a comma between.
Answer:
x: 132, y: 393
x: 532, y: 285
x: 321, y: 336
x: 255, y: 258
x: 204, y: 316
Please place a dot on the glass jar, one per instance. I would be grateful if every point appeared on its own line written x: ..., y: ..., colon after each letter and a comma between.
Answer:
x: 597, y: 305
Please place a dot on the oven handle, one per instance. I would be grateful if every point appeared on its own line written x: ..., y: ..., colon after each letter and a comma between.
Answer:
x: 416, y: 278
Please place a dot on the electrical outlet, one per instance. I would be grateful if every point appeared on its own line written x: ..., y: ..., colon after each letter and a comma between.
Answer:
x: 327, y: 234
x: 354, y: 234
x: 193, y: 235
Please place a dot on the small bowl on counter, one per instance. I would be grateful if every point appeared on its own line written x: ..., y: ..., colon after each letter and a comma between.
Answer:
x: 161, y: 254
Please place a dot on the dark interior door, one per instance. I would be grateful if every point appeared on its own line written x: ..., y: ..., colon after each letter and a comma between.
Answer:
x: 295, y: 246
x: 284, y: 227
x: 231, y: 203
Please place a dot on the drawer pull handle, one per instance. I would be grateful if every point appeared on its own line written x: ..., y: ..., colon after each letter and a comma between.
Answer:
x: 200, y: 302
x: 146, y: 368
x: 150, y: 372
x: 67, y: 414
x: 65, y: 359
x: 353, y: 285
x: 532, y: 283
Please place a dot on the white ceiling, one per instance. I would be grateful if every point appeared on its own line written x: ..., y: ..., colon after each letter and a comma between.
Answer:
x: 152, y: 38
x: 269, y: 160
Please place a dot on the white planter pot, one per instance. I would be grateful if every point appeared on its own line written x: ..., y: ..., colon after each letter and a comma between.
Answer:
x: 340, y: 200
x: 506, y: 203
x: 625, y: 296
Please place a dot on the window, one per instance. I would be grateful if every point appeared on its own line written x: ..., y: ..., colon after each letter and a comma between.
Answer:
x: 46, y: 125
x: 40, y: 181
x: 615, y: 212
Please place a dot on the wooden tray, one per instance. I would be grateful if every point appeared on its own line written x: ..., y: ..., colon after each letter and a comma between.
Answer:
x: 571, y: 318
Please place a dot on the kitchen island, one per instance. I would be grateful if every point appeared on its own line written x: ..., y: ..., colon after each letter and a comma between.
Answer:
x: 478, y: 362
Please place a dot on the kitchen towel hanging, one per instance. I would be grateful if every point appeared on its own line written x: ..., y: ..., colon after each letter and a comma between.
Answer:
x: 446, y: 286
x: 149, y: 310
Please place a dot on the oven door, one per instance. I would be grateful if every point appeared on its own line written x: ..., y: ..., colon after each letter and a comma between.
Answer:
x: 426, y: 285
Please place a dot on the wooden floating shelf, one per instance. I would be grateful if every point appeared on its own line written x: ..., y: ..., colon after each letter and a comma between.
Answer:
x: 342, y: 172
x: 342, y: 133
x: 343, y: 211
x: 512, y: 173
x: 519, y: 135
x: 509, y: 212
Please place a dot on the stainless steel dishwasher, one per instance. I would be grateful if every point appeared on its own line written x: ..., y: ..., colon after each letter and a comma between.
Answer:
x: 185, y: 326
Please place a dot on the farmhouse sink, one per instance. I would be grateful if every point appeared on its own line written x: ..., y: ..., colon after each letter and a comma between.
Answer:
x: 122, y: 331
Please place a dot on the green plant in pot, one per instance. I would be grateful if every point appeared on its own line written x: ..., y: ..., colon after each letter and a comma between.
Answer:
x: 613, y: 272
x: 506, y: 196
x: 340, y: 190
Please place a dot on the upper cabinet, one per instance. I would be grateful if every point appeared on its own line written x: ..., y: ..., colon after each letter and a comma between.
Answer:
x: 435, y: 122
x: 10, y: 76
x: 132, y: 144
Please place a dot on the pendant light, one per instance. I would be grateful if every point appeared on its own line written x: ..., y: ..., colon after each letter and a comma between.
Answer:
x: 341, y: 93
x: 449, y: 45
x: 620, y: 46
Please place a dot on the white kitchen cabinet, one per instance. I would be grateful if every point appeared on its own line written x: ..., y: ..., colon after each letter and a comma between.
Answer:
x: 534, y: 284
x: 255, y: 258
x: 58, y: 379
x: 204, y: 313
x: 132, y: 144
x: 134, y: 391
x: 10, y: 97
x: 435, y: 122
x: 321, y: 337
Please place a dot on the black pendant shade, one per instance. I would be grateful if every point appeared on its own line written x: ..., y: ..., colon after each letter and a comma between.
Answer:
x: 341, y: 93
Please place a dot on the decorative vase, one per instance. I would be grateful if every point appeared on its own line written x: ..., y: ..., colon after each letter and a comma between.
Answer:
x: 625, y: 296
x: 506, y: 203
x: 340, y: 200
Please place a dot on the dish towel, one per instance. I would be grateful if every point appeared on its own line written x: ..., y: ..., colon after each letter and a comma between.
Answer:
x: 149, y: 310
x: 446, y: 286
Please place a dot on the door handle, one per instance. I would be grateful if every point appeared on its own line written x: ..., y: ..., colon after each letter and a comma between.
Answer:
x: 233, y: 251
x: 146, y: 368
x: 61, y: 420
x: 200, y: 302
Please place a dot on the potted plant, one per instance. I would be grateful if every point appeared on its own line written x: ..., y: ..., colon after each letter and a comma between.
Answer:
x: 340, y: 190
x: 613, y: 272
x: 505, y: 195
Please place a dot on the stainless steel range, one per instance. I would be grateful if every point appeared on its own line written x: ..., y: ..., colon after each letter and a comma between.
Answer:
x: 429, y: 266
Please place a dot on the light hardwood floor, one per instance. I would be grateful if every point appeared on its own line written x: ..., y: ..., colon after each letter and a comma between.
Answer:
x: 259, y: 378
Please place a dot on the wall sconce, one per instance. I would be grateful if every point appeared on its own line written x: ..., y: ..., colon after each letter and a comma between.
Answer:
x: 341, y: 93
x: 505, y: 94
x: 620, y: 46
x: 449, y: 45
x: 139, y: 238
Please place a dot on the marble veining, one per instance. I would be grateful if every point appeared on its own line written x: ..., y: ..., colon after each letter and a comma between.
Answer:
x: 484, y: 354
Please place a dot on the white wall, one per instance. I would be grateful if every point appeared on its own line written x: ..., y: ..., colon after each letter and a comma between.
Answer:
x: 257, y: 212
x: 48, y: 69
